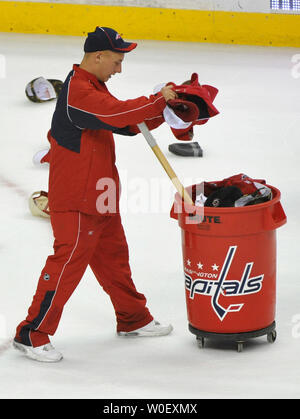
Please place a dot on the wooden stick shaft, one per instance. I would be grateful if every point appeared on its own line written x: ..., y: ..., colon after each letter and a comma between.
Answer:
x: 172, y: 175
x: 164, y: 162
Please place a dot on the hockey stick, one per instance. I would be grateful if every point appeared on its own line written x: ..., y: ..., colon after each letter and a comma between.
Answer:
x: 164, y: 162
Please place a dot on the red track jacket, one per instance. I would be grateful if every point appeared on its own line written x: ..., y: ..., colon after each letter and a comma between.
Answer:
x: 82, y: 145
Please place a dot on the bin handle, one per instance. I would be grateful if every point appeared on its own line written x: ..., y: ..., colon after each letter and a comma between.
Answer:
x: 274, y: 217
x: 173, y: 213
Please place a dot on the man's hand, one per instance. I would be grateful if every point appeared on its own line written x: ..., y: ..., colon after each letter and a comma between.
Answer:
x: 168, y: 93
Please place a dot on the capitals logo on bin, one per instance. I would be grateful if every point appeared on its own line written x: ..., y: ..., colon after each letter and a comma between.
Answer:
x: 228, y: 288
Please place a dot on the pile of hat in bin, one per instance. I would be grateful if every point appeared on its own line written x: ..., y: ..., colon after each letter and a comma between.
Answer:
x: 235, y: 191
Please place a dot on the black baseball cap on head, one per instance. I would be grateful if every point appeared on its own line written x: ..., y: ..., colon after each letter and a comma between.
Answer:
x: 106, y: 39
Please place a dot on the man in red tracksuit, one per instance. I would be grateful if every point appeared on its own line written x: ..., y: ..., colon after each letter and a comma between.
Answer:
x: 84, y: 197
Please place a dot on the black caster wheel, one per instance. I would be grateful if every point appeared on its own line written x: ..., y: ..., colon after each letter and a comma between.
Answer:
x: 200, y: 341
x: 240, y: 346
x: 272, y: 336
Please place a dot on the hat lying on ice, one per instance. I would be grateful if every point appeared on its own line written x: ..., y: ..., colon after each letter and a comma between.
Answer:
x: 186, y: 149
x: 41, y: 156
x: 42, y: 90
x: 38, y: 204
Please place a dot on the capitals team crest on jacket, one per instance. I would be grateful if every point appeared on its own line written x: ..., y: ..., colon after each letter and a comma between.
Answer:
x: 215, y: 284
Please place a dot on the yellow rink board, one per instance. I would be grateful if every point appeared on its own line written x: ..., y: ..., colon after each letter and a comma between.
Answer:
x: 152, y: 23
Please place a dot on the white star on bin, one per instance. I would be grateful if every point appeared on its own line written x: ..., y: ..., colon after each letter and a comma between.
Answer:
x: 188, y: 262
x: 200, y: 265
x: 215, y: 267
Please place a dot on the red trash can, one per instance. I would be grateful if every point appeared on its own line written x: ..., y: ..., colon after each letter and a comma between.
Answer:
x: 229, y: 262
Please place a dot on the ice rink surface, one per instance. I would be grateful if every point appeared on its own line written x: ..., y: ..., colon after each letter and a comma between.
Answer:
x: 256, y: 132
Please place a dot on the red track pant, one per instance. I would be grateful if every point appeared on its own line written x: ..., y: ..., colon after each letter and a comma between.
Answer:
x: 82, y: 240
